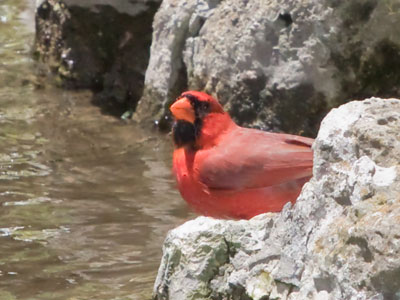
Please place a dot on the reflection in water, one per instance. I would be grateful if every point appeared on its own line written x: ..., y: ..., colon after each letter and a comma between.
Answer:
x: 85, y: 199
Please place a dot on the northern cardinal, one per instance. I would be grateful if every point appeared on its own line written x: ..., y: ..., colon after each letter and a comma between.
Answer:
x: 227, y: 171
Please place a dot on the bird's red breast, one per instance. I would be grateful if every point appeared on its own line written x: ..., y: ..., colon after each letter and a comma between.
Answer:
x: 227, y: 171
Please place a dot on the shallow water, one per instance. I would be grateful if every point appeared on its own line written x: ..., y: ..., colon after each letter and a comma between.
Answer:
x: 85, y: 199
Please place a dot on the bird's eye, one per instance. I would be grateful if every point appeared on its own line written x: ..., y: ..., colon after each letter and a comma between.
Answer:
x: 205, y: 106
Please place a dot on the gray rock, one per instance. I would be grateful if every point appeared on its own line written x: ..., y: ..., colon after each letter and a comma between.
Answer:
x: 206, y: 263
x: 341, y: 240
x: 279, y: 65
x: 102, y: 44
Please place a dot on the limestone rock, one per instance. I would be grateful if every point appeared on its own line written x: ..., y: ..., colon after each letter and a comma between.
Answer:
x: 341, y: 240
x: 278, y: 65
x: 101, y: 44
x: 188, y: 268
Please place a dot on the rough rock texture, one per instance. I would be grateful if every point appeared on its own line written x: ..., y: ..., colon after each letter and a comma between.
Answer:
x: 341, y: 240
x: 280, y: 64
x: 99, y: 44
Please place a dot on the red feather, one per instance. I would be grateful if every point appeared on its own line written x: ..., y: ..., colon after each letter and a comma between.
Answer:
x: 236, y: 172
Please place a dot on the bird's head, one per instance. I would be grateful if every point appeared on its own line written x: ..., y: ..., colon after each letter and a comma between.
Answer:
x: 190, y: 111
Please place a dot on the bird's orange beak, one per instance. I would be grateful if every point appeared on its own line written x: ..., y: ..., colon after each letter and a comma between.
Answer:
x: 183, y: 110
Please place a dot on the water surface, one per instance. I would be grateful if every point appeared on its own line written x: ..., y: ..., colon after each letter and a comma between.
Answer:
x: 85, y: 199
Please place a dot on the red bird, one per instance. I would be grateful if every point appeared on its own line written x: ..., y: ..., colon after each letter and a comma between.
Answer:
x: 227, y: 171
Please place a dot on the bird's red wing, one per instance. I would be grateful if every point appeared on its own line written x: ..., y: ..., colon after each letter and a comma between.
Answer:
x: 248, y: 158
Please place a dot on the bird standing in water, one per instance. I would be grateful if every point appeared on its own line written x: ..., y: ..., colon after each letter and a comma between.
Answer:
x: 227, y: 171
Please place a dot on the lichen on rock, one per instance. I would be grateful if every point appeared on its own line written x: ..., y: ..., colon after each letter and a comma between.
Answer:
x: 339, y: 241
